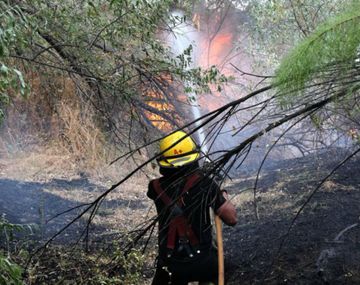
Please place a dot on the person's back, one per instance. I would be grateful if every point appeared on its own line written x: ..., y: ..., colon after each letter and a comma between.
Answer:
x: 183, y: 197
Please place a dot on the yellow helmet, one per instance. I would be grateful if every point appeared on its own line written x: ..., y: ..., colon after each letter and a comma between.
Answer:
x: 182, y: 153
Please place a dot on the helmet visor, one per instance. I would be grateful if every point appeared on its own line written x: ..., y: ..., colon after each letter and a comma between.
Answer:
x: 178, y: 161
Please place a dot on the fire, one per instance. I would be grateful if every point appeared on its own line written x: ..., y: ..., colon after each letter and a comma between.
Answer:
x: 215, y: 46
x: 159, y: 106
x: 213, y: 42
x: 157, y: 120
x: 215, y: 54
x: 216, y: 49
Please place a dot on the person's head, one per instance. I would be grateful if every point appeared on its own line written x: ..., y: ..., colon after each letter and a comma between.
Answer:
x: 178, y: 150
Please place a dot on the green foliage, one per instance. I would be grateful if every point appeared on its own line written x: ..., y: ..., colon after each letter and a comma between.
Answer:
x: 60, y: 265
x: 9, y: 228
x: 202, y: 80
x: 116, y: 42
x: 112, y: 46
x: 278, y: 25
x: 10, y: 272
x: 129, y: 269
x: 321, y: 38
x: 336, y: 42
x: 12, y: 26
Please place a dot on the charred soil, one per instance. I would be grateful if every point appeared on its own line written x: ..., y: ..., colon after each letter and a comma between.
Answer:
x: 322, y: 246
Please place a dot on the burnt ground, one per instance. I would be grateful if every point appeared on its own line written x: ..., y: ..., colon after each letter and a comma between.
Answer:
x: 36, y: 203
x: 323, y: 247
x: 31, y: 202
x: 36, y: 187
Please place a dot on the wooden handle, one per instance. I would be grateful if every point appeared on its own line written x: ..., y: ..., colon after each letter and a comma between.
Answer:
x: 219, y: 238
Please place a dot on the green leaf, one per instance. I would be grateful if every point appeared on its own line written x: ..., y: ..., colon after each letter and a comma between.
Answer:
x: 10, y: 273
x: 4, y: 70
x: 94, y: 11
x: 4, y: 98
x: 22, y: 82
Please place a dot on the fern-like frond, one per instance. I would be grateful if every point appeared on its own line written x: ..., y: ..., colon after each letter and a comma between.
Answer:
x: 333, y: 49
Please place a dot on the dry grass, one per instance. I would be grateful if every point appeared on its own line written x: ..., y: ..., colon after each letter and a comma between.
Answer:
x: 42, y: 142
x: 53, y: 136
x: 39, y: 165
x: 80, y: 137
x: 54, y: 125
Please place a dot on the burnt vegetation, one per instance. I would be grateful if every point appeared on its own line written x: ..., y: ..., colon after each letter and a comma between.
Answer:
x: 287, y: 150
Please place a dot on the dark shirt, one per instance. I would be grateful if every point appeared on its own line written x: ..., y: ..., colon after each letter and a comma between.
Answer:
x: 205, y: 194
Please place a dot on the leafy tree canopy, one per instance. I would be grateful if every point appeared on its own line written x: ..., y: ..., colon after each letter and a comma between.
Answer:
x: 113, y: 46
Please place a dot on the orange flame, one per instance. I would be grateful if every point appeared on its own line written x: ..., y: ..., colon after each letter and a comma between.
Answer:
x: 157, y: 101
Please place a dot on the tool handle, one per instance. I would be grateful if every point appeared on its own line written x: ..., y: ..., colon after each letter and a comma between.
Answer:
x: 220, y: 248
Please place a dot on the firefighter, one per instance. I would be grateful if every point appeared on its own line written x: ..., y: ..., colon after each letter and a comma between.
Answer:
x: 183, y: 196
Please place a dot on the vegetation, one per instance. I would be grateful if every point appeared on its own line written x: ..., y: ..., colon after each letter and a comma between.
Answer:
x: 10, y: 272
x: 59, y: 266
x: 279, y: 25
x: 101, y: 69
x: 12, y: 26
x: 332, y: 49
x: 110, y: 50
x: 318, y: 87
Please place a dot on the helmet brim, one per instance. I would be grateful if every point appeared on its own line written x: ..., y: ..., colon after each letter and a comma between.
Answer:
x: 179, y: 161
